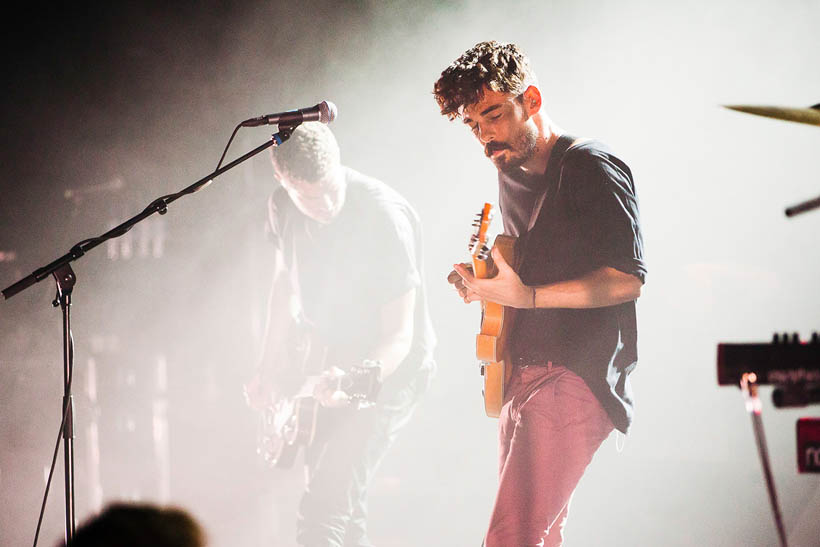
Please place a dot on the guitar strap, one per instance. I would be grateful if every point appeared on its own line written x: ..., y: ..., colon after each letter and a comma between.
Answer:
x: 555, y: 165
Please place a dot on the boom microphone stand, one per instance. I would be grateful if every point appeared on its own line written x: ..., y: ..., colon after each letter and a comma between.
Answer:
x: 66, y: 279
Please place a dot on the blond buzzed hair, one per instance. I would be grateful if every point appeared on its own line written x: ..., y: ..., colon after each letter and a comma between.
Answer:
x: 311, y: 154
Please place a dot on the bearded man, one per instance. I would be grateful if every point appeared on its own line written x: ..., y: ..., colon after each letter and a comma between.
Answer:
x: 572, y: 204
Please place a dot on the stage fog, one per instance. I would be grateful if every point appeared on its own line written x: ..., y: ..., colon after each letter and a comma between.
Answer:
x: 103, y: 113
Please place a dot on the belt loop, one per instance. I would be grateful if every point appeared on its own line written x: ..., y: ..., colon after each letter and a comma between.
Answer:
x: 549, y: 366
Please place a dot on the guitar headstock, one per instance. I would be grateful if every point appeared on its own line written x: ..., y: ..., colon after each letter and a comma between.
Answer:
x: 478, y: 246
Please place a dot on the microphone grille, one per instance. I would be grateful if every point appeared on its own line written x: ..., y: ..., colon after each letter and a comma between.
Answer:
x: 327, y: 112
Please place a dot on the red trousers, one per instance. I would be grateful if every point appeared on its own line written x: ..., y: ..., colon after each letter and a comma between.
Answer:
x: 550, y: 427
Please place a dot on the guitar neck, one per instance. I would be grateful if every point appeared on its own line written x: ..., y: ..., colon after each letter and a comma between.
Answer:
x: 483, y: 268
x: 483, y: 265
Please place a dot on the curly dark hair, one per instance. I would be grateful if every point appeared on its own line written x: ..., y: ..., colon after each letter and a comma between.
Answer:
x: 498, y: 66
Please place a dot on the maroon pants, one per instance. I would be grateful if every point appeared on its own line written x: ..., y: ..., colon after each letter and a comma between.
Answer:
x: 550, y: 427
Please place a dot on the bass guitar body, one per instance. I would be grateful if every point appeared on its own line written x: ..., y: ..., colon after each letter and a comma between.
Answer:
x: 289, y: 423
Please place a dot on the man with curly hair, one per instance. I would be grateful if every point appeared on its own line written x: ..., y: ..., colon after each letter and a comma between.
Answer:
x: 572, y: 204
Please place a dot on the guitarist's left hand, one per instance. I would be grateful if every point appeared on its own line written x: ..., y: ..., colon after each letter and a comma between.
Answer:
x: 505, y: 288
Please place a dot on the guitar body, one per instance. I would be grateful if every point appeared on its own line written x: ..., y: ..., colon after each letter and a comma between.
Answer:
x: 496, y: 323
x: 289, y: 424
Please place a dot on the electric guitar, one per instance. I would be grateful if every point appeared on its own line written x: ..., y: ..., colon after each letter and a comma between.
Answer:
x: 496, y: 319
x: 289, y: 423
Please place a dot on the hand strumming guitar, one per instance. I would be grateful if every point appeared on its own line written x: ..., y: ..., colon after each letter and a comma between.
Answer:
x: 505, y: 288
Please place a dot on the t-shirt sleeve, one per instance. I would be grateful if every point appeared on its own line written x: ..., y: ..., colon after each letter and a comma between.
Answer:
x: 393, y: 244
x: 603, y: 193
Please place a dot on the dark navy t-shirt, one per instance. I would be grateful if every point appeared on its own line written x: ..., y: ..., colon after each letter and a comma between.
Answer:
x: 588, y: 220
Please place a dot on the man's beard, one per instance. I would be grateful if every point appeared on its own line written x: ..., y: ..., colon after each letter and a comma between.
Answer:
x: 520, y: 152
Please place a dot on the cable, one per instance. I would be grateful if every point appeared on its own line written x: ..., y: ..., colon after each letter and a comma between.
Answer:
x: 158, y: 205
x: 218, y: 165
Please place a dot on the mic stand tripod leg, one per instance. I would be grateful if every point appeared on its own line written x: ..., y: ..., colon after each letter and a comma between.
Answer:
x: 748, y: 384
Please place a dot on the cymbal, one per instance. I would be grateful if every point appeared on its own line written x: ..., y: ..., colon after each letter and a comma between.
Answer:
x: 810, y: 115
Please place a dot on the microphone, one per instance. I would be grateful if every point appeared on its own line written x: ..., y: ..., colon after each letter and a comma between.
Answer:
x: 324, y: 112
